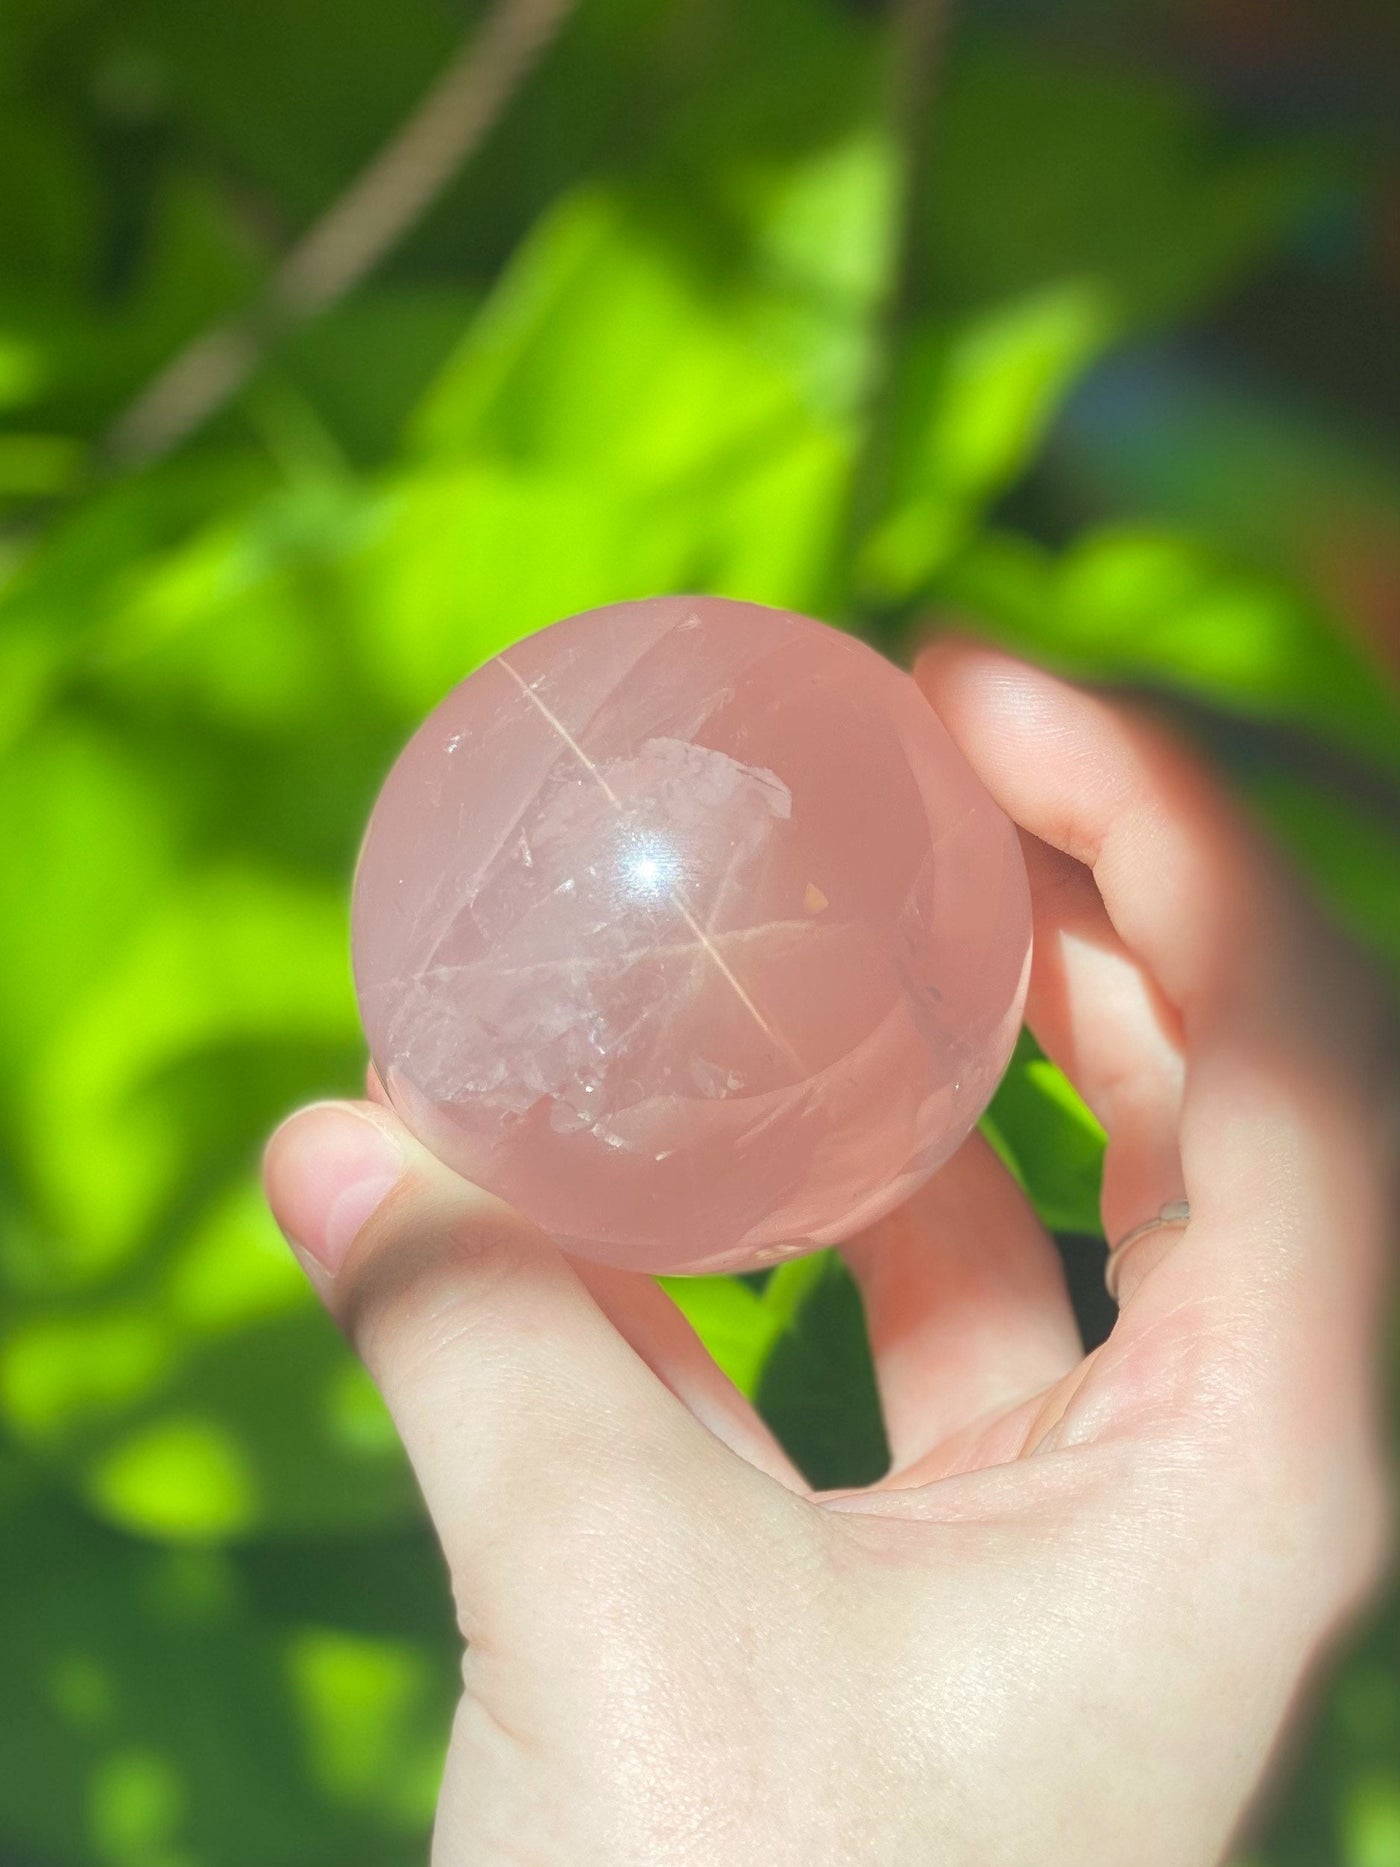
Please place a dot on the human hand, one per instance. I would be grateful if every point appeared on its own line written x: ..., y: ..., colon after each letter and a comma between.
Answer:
x: 1073, y: 1622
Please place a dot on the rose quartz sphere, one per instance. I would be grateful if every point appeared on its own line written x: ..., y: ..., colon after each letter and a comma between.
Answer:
x: 684, y: 928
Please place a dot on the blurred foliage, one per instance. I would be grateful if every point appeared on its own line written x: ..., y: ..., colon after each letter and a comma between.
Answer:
x: 681, y: 324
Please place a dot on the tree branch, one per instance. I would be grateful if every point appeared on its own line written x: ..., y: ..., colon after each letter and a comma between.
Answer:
x: 919, y: 41
x: 373, y: 215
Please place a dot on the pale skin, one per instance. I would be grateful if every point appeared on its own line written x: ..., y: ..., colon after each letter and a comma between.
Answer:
x: 1075, y: 1622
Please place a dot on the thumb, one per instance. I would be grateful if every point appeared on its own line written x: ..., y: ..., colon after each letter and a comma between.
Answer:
x: 522, y: 1409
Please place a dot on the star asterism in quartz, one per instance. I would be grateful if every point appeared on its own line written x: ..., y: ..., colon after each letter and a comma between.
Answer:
x: 684, y: 927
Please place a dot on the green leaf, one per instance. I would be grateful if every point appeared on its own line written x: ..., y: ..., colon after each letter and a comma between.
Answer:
x: 184, y: 1478
x: 195, y: 264
x: 1050, y: 167
x: 229, y: 958
x: 361, y: 1702
x: 1138, y: 604
x: 241, y: 624
x: 771, y: 528
x: 154, y: 1716
x: 823, y: 247
x: 303, y: 137
x: 1040, y: 1125
x: 1162, y: 606
x: 86, y: 838
x: 47, y: 223
x: 817, y: 1389
x: 59, y: 1371
x: 185, y: 1409
x: 37, y: 466
x: 598, y: 349
x: 21, y: 370
x: 59, y: 596
x: 269, y: 1429
x: 434, y: 602
x: 409, y: 331
x: 1372, y: 1820
x: 798, y: 1349
x: 733, y: 1321
x: 973, y: 406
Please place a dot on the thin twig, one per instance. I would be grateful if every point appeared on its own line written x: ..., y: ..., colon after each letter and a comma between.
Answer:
x: 375, y: 212
x: 919, y: 41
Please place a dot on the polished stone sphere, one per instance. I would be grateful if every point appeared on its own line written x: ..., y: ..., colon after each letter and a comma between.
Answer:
x: 684, y: 928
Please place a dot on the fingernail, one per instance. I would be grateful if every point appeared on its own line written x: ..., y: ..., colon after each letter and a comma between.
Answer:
x: 326, y: 1170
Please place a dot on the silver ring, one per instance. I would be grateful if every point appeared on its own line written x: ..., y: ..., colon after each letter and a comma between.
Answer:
x: 1173, y: 1216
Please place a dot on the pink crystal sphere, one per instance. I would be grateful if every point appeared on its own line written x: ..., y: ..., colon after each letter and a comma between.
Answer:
x: 684, y: 927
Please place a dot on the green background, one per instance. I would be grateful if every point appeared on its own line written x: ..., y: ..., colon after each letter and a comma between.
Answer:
x: 1076, y: 321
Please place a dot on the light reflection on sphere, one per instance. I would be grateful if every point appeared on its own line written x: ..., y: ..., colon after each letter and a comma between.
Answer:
x: 683, y: 927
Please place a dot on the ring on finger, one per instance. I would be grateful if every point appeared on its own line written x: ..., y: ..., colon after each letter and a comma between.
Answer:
x: 1174, y: 1216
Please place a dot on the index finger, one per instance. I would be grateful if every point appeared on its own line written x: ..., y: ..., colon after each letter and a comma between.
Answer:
x: 1281, y: 1024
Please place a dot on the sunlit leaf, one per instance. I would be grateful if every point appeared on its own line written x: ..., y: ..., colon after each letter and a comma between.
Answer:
x: 370, y: 1710
x: 435, y: 599
x: 732, y: 1320
x: 600, y: 347
x: 231, y: 956
x: 86, y: 838
x: 60, y: 592
x: 21, y: 369
x: 772, y: 530
x: 825, y: 245
x: 239, y: 623
x: 232, y: 1267
x: 138, y: 1810
x: 797, y: 1347
x: 972, y: 406
x: 1042, y: 1128
x: 57, y: 1371
x: 183, y: 1477
x: 1372, y: 1821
